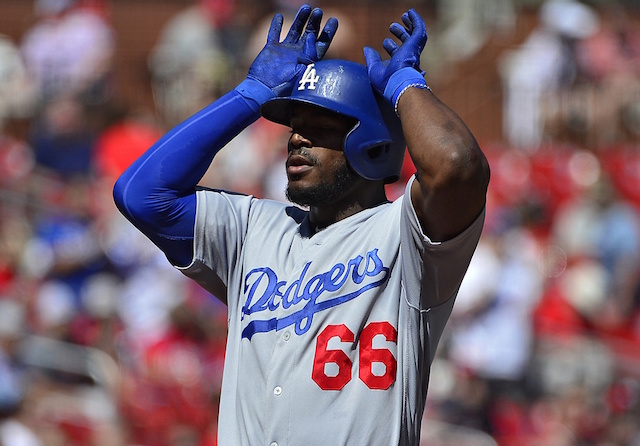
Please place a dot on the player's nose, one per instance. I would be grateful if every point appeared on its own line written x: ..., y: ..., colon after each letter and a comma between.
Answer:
x: 297, y: 141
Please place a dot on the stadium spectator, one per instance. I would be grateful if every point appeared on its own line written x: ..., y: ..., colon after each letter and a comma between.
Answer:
x: 543, y: 66
x: 69, y: 50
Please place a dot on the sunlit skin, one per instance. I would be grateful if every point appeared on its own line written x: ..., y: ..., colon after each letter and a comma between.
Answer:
x: 318, y: 172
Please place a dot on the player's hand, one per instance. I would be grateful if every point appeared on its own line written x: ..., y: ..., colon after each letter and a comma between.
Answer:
x: 279, y: 63
x: 390, y: 77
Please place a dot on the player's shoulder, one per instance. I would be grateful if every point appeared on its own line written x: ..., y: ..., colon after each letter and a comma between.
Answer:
x: 249, y: 205
x: 381, y: 217
x: 282, y: 209
x: 272, y: 212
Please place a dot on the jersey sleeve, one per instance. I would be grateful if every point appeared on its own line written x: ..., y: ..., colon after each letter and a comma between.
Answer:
x: 438, y: 267
x: 222, y: 219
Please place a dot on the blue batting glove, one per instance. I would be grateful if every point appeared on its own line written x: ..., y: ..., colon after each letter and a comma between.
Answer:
x: 392, y: 77
x: 273, y: 71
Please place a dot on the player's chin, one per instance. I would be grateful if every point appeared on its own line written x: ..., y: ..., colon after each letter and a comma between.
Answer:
x: 295, y: 187
x: 302, y: 194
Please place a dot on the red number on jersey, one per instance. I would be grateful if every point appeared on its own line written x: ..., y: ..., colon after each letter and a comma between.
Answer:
x: 367, y: 356
x: 324, y: 356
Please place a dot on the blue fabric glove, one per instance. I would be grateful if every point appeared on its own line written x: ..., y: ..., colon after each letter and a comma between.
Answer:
x: 392, y: 77
x: 274, y: 69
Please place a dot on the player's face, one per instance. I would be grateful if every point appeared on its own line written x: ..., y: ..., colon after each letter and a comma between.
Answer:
x: 317, y: 169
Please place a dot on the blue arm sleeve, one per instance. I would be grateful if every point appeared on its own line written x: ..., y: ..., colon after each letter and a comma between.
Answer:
x: 157, y: 192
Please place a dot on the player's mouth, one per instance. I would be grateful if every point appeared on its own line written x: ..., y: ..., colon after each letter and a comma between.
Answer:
x: 297, y: 165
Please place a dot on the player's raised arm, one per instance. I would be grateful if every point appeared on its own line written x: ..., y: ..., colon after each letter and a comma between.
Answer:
x: 157, y: 192
x: 452, y: 171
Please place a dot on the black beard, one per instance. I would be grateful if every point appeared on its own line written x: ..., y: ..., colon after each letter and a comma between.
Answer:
x: 325, y: 193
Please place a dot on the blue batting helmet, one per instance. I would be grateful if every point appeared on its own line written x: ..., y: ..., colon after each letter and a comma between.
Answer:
x: 375, y: 146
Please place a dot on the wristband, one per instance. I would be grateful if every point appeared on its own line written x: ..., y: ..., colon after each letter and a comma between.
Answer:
x: 422, y: 86
x: 400, y: 81
x: 255, y: 92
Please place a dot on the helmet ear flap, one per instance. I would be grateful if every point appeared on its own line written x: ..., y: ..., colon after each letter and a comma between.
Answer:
x: 376, y: 152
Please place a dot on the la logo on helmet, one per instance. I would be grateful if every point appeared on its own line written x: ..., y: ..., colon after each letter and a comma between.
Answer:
x: 309, y: 77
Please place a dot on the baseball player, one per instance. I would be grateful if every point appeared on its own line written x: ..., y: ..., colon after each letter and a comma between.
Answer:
x: 335, y: 307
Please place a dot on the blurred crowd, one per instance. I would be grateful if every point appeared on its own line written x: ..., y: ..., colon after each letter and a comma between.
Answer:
x: 103, y: 343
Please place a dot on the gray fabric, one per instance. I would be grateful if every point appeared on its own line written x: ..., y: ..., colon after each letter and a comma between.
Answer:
x: 295, y: 301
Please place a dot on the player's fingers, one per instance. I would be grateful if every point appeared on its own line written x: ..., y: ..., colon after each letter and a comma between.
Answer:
x: 407, y: 21
x: 313, y: 25
x: 371, y: 56
x: 309, y: 53
x: 298, y: 24
x: 399, y: 31
x: 390, y: 46
x: 275, y: 28
x: 419, y: 28
x: 326, y: 36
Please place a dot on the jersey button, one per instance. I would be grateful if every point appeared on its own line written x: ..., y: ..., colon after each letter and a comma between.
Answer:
x: 286, y: 336
x: 277, y: 391
x: 273, y: 443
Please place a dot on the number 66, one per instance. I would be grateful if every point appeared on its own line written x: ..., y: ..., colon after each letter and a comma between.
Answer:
x: 367, y: 356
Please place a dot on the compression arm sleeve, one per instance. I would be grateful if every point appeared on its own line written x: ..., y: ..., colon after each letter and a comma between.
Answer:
x: 157, y: 192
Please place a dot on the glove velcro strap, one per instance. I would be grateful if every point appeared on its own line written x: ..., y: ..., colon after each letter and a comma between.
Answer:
x: 401, y: 81
x: 255, y: 92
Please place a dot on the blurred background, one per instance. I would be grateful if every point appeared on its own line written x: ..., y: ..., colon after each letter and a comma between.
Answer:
x: 103, y: 343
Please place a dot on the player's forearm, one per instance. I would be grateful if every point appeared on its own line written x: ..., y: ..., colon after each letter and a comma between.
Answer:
x: 452, y: 170
x: 180, y: 158
x: 440, y: 144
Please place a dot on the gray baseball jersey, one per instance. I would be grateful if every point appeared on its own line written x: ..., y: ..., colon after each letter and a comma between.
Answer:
x: 331, y: 336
